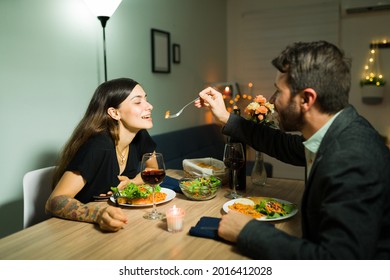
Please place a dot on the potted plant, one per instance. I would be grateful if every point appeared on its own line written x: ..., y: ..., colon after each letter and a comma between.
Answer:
x: 372, y: 82
x: 372, y: 89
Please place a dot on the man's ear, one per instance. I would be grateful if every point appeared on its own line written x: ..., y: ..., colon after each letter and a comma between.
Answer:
x: 308, y: 97
x: 113, y: 113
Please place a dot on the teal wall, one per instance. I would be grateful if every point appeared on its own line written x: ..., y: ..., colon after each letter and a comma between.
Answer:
x: 51, y: 61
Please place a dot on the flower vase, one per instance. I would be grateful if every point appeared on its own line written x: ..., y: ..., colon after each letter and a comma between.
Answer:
x: 259, y: 174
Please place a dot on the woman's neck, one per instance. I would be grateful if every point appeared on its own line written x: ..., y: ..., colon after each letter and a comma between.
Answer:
x: 125, y: 138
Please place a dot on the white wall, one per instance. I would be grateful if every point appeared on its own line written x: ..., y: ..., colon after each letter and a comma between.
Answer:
x: 358, y: 31
x: 51, y: 61
x: 355, y: 34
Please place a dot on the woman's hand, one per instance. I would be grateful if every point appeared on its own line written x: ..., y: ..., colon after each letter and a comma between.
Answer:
x: 213, y: 99
x: 231, y: 225
x: 111, y: 219
x: 123, y: 182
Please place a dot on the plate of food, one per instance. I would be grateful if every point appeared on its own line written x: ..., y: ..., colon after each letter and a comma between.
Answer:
x: 141, y: 195
x: 262, y: 208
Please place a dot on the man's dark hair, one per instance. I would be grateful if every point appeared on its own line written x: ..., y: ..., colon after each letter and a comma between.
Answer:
x: 320, y: 66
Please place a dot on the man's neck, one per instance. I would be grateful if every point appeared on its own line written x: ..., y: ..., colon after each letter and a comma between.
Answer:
x: 314, y: 121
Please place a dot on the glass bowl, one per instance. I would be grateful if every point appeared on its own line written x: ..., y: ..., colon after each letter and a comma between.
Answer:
x: 200, y: 188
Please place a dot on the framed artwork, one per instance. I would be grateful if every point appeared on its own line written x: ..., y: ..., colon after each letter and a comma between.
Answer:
x: 176, y: 53
x: 161, y: 59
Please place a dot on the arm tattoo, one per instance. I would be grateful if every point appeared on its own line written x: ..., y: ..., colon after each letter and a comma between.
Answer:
x: 69, y: 208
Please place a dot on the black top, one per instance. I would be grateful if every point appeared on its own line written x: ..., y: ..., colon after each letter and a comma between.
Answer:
x: 97, y: 163
x: 346, y: 203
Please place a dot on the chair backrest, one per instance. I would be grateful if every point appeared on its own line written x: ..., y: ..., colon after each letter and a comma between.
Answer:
x: 37, y: 187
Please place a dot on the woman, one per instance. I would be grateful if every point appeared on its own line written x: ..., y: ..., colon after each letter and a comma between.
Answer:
x: 104, y: 151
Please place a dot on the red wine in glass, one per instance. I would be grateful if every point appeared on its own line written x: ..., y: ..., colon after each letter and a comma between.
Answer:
x: 153, y: 177
x: 153, y: 173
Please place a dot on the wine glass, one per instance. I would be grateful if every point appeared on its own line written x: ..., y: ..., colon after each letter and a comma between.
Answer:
x: 153, y: 173
x: 234, y: 159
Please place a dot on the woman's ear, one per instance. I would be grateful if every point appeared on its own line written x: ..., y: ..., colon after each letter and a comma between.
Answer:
x: 113, y: 113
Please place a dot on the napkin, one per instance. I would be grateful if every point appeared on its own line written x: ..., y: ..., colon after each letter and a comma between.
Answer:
x: 171, y: 183
x: 207, y: 227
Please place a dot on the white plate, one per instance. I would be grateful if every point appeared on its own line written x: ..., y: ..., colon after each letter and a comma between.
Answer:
x: 225, y: 207
x: 170, y: 195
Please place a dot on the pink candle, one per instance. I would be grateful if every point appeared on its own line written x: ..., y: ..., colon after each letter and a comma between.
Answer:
x: 175, y: 219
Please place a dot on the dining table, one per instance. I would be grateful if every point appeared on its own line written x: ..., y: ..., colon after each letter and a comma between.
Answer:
x: 142, y: 239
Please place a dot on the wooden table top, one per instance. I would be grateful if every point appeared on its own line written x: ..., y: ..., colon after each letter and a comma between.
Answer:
x: 141, y: 239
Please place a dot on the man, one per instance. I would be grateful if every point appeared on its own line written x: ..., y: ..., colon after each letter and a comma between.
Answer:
x: 346, y: 202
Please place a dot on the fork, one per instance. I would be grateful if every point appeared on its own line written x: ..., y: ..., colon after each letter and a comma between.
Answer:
x: 169, y: 116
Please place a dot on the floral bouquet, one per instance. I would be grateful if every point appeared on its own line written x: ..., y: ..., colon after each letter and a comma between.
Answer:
x: 260, y: 111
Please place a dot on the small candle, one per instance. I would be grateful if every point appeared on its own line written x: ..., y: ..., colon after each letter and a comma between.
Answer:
x: 175, y: 219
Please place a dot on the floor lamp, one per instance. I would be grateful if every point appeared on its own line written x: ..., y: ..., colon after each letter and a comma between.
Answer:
x: 103, y: 10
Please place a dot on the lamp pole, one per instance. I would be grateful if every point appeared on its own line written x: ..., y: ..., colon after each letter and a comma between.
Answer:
x: 103, y: 21
x: 103, y: 10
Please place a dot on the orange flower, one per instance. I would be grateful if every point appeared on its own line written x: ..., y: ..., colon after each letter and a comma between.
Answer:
x: 260, y: 99
x: 260, y: 111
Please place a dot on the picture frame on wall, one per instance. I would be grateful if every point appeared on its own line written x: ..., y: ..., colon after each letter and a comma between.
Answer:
x: 161, y: 60
x: 176, y: 53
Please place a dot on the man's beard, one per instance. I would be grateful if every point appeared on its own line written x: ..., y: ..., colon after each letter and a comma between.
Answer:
x: 290, y: 118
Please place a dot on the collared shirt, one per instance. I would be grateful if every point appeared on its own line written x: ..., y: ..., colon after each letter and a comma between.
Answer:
x: 313, y: 144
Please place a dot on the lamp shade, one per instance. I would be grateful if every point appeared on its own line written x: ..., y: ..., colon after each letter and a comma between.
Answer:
x: 104, y: 8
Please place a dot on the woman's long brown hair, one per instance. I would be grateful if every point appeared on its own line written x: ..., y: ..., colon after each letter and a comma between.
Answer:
x: 96, y: 120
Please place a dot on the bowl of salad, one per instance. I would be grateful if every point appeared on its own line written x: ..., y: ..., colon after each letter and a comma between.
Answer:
x: 200, y: 188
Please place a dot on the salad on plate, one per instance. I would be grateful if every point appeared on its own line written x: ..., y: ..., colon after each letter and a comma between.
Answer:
x: 138, y: 194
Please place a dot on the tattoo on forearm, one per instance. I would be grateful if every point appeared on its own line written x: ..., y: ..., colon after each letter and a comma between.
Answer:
x: 69, y: 208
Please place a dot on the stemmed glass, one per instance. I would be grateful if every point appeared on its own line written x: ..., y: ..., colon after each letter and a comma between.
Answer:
x: 234, y: 159
x: 153, y: 173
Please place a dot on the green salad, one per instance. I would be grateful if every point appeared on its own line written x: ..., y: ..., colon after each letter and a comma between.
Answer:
x: 200, y: 188
x: 273, y: 208
x: 134, y: 191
